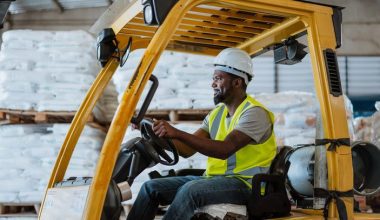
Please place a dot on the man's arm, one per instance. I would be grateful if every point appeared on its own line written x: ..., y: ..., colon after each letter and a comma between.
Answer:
x: 183, y: 149
x: 218, y: 149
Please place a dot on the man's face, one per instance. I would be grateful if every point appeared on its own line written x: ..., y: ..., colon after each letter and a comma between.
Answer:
x: 222, y: 85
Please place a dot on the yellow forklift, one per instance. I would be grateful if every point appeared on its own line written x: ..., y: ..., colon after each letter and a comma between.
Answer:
x: 204, y: 27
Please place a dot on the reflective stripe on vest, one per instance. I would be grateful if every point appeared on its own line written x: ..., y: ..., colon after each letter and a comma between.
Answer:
x: 215, y: 124
x: 249, y: 160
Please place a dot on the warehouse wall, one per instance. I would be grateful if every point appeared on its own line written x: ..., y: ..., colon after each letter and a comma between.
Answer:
x: 361, y: 26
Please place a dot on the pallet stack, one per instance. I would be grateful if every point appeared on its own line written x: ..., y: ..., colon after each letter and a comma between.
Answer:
x: 44, y: 77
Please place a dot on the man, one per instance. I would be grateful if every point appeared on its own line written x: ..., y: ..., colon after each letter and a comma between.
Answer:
x: 237, y: 136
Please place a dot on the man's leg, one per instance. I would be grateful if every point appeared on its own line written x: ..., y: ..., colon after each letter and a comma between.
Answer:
x: 198, y: 193
x: 154, y: 192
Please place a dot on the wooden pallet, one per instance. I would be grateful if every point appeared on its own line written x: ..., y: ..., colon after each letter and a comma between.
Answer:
x: 178, y: 115
x: 19, y: 209
x: 9, y: 116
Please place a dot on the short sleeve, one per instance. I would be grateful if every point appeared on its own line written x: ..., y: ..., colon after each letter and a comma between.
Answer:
x: 255, y: 123
x: 205, y: 123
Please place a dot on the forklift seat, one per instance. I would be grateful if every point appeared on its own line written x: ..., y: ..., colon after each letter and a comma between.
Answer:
x: 273, y: 202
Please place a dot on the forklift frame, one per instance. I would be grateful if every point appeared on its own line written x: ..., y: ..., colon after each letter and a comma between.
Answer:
x: 207, y: 27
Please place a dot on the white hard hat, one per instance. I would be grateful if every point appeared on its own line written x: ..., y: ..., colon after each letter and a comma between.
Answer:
x: 236, y: 62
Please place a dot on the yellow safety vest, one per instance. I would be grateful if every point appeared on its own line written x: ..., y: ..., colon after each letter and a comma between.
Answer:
x: 250, y: 159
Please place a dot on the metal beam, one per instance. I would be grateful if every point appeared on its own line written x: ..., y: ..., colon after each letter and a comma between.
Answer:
x: 288, y: 28
x: 8, y: 22
x: 112, y: 14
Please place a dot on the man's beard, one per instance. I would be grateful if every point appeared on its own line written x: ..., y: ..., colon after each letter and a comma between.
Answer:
x: 218, y: 99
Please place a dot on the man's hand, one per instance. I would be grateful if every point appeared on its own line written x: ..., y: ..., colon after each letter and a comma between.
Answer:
x: 163, y: 129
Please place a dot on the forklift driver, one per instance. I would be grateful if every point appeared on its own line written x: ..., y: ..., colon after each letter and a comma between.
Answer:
x: 237, y: 136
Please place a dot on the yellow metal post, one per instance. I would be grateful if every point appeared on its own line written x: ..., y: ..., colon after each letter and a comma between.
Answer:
x: 339, y: 163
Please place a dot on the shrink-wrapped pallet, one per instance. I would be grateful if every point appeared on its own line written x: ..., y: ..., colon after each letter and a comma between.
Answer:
x: 375, y: 132
x: 295, y: 116
x: 49, y: 71
x: 28, y: 153
x: 363, y: 128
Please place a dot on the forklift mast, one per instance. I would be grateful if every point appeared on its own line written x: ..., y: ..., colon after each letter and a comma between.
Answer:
x: 207, y: 27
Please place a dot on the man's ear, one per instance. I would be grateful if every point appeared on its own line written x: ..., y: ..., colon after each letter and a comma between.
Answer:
x: 237, y: 82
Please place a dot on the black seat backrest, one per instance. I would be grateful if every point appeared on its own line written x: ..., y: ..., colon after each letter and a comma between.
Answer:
x: 274, y: 202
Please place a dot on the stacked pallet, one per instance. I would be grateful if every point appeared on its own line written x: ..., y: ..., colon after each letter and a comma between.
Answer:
x: 44, y: 77
x: 296, y: 116
x: 28, y: 153
x: 48, y: 71
x: 9, y: 116
x: 183, y: 81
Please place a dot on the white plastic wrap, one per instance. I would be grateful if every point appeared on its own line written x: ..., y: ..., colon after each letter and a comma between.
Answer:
x: 7, y: 53
x: 363, y: 128
x: 31, y: 196
x: 130, y: 134
x: 17, y: 64
x: 189, y: 77
x: 24, y: 75
x: 191, y: 73
x: 295, y: 116
x: 16, y: 184
x: 75, y: 35
x: 200, y: 61
x: 27, y: 35
x: 375, y: 132
x: 46, y: 105
x: 19, y: 45
x: 28, y: 153
x: 179, y: 103
x: 5, y: 172
x: 9, y: 197
x: 203, y: 103
x: 350, y: 117
x: 49, y: 65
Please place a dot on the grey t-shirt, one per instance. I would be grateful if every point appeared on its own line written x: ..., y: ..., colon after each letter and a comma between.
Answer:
x: 254, y: 122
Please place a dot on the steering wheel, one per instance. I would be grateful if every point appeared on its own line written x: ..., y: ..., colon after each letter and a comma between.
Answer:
x: 159, y: 144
